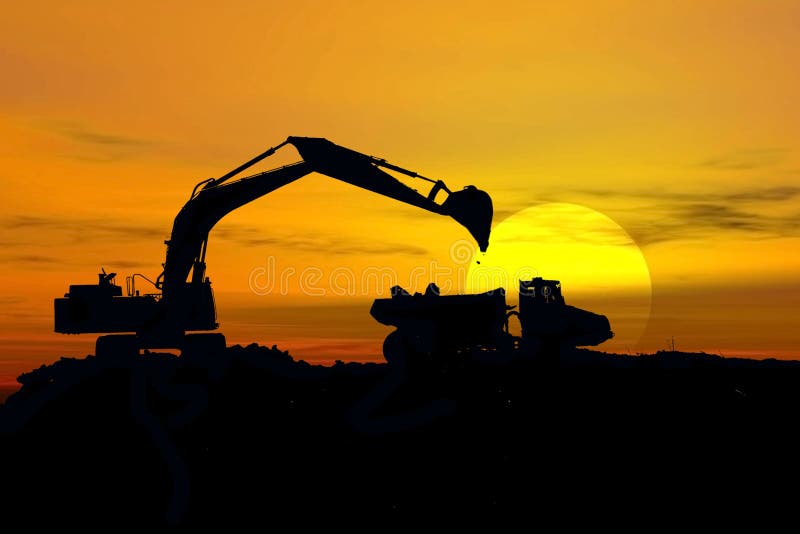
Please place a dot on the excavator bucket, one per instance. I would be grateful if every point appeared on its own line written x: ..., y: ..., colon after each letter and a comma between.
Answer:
x: 473, y: 209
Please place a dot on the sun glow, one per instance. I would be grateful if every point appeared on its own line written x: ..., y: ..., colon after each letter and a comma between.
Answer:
x: 599, y: 265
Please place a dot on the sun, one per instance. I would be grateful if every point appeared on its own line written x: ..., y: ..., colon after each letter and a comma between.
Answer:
x: 600, y: 267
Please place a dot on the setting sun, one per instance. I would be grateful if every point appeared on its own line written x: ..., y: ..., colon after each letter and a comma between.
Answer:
x: 599, y: 265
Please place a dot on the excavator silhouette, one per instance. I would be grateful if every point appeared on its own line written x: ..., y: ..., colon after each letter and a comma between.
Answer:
x: 186, y: 301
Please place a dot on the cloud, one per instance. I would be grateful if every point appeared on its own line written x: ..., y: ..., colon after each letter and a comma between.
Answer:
x: 30, y: 259
x: 91, y: 145
x: 704, y: 220
x: 61, y: 230
x: 36, y: 235
x: 767, y: 194
x: 660, y: 216
x: 753, y: 195
x: 720, y: 216
x: 83, y: 134
x: 128, y: 264
x: 87, y: 229
x: 328, y: 244
x: 745, y: 159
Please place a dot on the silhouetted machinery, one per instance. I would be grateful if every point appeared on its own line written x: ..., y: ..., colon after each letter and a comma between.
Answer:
x: 548, y: 321
x: 184, y: 301
x: 432, y: 327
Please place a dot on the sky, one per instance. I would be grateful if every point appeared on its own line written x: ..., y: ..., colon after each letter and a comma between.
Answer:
x: 676, y: 120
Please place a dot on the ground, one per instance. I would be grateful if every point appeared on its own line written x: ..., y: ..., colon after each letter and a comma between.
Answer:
x: 252, y: 436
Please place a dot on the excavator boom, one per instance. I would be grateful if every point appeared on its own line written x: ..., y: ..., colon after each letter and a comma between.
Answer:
x: 186, y: 246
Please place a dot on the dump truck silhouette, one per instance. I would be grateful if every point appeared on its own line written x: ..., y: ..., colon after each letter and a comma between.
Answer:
x: 433, y: 327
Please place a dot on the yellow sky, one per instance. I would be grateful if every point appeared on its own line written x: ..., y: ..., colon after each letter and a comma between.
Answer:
x: 676, y: 119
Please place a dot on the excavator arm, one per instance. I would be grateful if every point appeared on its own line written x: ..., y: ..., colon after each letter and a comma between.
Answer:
x: 214, y: 198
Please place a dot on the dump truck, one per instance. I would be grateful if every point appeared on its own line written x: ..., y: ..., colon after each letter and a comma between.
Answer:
x: 433, y: 328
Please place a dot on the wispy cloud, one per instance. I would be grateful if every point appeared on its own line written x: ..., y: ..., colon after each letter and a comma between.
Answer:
x: 656, y: 216
x: 324, y: 243
x: 87, y: 229
x: 84, y: 134
x: 754, y: 194
x: 37, y: 235
x: 745, y: 159
x: 666, y: 216
x: 128, y: 264
x: 64, y: 230
x: 33, y: 258
x: 720, y: 216
x: 29, y: 259
x: 93, y: 145
x: 767, y: 194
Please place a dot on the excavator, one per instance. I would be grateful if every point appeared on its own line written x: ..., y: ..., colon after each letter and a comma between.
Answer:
x: 181, y: 312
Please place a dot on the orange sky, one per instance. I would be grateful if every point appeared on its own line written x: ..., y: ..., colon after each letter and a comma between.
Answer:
x: 676, y: 119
